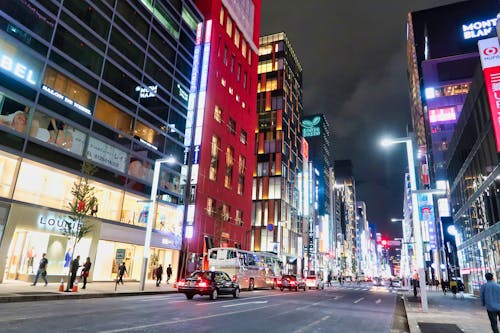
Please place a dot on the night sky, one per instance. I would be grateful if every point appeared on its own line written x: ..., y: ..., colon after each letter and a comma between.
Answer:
x: 353, y: 55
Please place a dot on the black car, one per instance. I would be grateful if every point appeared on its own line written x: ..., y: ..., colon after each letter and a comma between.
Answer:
x: 292, y: 282
x: 211, y: 283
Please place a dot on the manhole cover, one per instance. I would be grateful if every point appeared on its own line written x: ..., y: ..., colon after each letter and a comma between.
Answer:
x: 439, y: 328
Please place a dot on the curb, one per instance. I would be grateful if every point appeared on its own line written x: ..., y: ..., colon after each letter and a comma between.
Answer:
x: 73, y: 296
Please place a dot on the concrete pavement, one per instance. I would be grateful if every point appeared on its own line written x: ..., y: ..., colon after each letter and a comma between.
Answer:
x: 467, y: 313
x: 20, y: 291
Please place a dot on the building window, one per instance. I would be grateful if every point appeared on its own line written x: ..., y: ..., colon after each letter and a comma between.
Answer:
x: 249, y: 57
x: 224, y: 60
x: 226, y: 212
x: 238, y: 73
x: 238, y: 218
x: 245, y: 80
x: 232, y: 63
x: 236, y: 38
x: 221, y: 16
x: 228, y: 178
x: 218, y: 114
x: 244, y: 48
x: 214, y: 158
x: 243, y: 137
x: 232, y: 126
x: 210, y: 206
x: 229, y: 26
x: 241, y: 174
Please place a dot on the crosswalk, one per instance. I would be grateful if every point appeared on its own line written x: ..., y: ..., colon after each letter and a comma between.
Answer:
x: 365, y: 288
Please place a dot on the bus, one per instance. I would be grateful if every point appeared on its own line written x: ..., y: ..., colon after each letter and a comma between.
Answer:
x: 250, y: 269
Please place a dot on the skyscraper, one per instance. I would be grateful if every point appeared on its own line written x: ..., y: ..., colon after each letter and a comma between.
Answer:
x: 275, y: 223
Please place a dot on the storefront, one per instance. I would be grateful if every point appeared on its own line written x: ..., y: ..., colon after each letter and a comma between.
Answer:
x: 31, y: 231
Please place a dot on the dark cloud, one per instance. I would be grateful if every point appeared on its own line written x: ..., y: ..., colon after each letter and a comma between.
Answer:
x: 353, y: 55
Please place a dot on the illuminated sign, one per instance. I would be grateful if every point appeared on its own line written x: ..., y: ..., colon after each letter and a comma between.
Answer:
x: 442, y: 115
x: 182, y: 93
x: 479, y: 28
x: 19, y: 70
x: 53, y: 222
x: 309, y: 127
x: 489, y: 51
x: 305, y: 150
x: 147, y: 92
x: 426, y: 217
x: 65, y: 99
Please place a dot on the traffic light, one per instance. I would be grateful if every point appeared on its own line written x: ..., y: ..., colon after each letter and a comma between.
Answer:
x: 383, y: 242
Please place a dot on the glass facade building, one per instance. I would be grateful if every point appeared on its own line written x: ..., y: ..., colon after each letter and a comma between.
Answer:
x: 105, y: 82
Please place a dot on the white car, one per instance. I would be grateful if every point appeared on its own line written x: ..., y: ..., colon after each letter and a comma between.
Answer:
x: 313, y: 281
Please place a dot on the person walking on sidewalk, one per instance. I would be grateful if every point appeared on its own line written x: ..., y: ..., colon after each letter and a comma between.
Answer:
x: 169, y: 273
x: 121, y: 272
x: 443, y: 286
x: 75, y: 264
x: 454, y: 287
x: 42, y: 270
x: 86, y: 271
x: 159, y: 273
x: 490, y: 297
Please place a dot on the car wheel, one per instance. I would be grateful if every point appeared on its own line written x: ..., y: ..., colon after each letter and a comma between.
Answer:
x: 214, y: 294
x: 251, y: 285
x: 188, y: 296
x: 236, y: 293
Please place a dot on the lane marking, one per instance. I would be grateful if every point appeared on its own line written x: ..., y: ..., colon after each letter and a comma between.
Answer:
x: 304, y: 329
x: 238, y: 304
x: 139, y: 327
x: 378, y: 301
x: 358, y: 300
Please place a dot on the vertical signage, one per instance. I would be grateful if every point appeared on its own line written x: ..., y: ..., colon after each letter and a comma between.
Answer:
x: 489, y: 50
x: 427, y: 220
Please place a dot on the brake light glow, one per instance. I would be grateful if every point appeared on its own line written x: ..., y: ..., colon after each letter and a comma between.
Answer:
x: 181, y: 283
x: 235, y: 278
x: 202, y: 284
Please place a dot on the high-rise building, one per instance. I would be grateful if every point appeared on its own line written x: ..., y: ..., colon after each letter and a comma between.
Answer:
x: 345, y: 194
x: 224, y: 128
x: 104, y: 82
x: 441, y: 59
x: 275, y: 223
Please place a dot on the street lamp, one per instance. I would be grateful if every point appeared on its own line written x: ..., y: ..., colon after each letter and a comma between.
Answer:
x: 417, y: 227
x: 152, y: 215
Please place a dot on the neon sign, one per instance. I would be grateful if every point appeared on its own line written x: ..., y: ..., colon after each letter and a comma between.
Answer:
x: 18, y: 69
x: 65, y: 99
x: 442, y: 115
x: 147, y: 92
x: 479, y: 28
x: 309, y: 127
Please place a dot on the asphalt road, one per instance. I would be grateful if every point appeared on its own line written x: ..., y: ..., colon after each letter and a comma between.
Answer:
x: 359, y: 309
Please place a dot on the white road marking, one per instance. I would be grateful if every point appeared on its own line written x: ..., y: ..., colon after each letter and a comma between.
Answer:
x: 183, y: 320
x: 305, y: 328
x: 358, y: 300
x: 378, y: 301
x: 238, y: 304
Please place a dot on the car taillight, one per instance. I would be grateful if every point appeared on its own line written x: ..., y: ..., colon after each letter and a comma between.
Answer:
x: 235, y: 278
x: 293, y: 283
x: 181, y: 283
x: 202, y: 284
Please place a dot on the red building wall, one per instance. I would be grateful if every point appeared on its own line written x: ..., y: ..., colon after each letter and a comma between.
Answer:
x: 242, y: 111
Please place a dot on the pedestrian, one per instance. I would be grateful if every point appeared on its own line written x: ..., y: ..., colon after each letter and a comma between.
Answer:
x: 443, y: 286
x: 454, y: 287
x: 42, y: 270
x: 461, y: 288
x: 121, y: 272
x: 86, y: 271
x: 169, y: 273
x: 158, y: 273
x: 75, y: 264
x: 416, y: 283
x: 329, y: 279
x: 490, y: 297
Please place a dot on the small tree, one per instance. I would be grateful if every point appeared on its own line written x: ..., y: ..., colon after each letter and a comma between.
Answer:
x: 83, y: 203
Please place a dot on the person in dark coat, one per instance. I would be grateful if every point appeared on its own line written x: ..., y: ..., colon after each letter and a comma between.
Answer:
x: 86, y: 271
x: 169, y: 273
x: 121, y: 272
x: 75, y: 264
x: 159, y: 273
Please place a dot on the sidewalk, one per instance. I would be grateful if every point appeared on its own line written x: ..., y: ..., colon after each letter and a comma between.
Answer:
x: 467, y: 313
x: 20, y: 291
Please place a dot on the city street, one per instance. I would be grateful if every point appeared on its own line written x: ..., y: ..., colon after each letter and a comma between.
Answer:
x: 338, y: 309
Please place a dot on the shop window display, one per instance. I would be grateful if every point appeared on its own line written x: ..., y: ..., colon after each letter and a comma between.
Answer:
x: 15, y: 115
x: 54, y: 131
x: 8, y: 166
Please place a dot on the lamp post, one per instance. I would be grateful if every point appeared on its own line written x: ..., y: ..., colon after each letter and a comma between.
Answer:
x: 417, y: 227
x: 152, y: 216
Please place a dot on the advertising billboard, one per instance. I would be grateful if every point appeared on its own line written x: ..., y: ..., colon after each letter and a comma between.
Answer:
x: 489, y: 51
